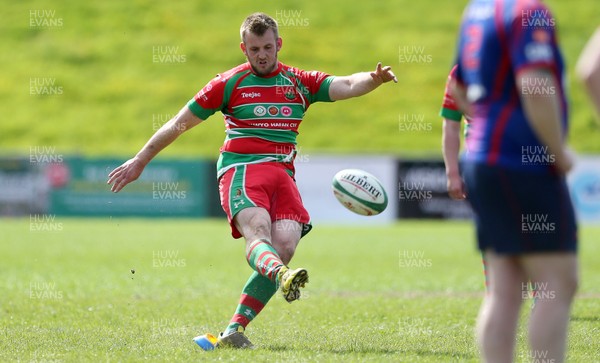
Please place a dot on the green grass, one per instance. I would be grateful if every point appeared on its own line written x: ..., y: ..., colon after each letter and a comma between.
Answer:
x: 69, y: 295
x: 102, y: 58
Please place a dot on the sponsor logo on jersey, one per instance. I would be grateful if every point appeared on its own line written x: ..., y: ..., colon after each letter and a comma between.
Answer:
x: 273, y: 110
x: 286, y: 111
x: 250, y: 94
x: 536, y: 52
x: 475, y: 92
x: 260, y: 111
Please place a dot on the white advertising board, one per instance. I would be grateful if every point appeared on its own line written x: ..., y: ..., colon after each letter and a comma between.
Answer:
x: 584, y: 184
x: 314, y: 175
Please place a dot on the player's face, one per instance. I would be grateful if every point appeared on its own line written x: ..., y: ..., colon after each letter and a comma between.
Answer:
x: 261, y: 51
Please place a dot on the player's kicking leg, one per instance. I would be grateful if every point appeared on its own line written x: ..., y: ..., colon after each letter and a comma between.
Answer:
x: 286, y: 236
x: 268, y: 249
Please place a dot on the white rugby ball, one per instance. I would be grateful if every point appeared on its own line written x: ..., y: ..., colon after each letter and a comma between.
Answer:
x: 360, y: 192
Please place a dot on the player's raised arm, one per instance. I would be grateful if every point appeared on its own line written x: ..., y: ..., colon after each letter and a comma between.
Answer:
x: 358, y: 84
x: 131, y: 169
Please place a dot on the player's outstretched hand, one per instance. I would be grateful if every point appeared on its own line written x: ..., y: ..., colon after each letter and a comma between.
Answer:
x: 383, y: 74
x: 125, y: 174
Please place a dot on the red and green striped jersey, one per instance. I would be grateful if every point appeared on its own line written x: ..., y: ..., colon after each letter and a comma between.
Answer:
x: 262, y: 113
x: 449, y: 109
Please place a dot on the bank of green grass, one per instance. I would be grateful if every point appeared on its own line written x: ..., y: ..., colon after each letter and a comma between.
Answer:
x: 128, y: 290
x: 114, y: 96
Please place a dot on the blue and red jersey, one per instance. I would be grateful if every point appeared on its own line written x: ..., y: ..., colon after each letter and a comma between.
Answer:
x: 499, y: 39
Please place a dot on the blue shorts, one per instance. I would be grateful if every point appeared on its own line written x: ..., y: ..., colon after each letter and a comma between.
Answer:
x: 518, y: 212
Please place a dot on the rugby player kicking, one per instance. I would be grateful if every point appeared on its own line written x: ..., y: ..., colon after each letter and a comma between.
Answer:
x: 263, y: 102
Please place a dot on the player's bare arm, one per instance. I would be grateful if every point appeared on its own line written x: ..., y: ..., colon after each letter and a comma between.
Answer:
x: 459, y: 93
x: 543, y: 114
x: 132, y: 169
x: 588, y: 68
x: 450, y: 151
x: 358, y: 84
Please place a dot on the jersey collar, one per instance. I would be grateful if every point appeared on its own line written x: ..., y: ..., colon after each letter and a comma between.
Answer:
x: 272, y: 74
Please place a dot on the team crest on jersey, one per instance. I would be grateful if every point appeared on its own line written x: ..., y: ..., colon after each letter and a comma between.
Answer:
x: 286, y: 111
x: 260, y: 111
x: 290, y: 95
x: 273, y: 110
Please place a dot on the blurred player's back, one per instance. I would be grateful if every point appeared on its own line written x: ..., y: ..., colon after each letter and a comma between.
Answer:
x: 499, y: 39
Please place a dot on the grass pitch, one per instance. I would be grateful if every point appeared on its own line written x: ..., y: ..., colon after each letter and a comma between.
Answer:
x: 108, y: 290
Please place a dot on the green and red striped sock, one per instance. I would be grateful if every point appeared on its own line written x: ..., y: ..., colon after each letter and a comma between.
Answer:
x: 261, y: 286
x: 263, y: 258
x: 255, y: 295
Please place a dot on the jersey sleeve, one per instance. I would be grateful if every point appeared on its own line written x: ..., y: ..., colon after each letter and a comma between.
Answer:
x: 458, y: 69
x: 449, y: 109
x: 209, y: 99
x: 316, y: 85
x: 532, y: 38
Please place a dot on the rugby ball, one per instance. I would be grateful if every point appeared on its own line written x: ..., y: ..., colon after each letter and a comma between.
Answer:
x: 360, y: 192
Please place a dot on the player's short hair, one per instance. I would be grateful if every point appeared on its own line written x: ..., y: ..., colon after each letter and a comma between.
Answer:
x: 258, y: 24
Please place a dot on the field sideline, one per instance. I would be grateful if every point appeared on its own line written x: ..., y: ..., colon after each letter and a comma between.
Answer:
x: 110, y: 290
